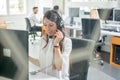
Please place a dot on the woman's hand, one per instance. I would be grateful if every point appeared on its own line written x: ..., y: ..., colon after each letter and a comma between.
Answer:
x: 59, y: 37
x: 34, y: 61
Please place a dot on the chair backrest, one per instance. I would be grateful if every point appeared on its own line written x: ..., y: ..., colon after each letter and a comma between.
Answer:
x: 91, y: 28
x: 82, y: 49
x: 28, y: 24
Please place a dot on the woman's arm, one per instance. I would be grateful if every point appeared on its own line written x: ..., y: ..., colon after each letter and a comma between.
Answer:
x: 58, y: 58
x: 57, y: 52
x: 34, y: 61
x: 63, y: 59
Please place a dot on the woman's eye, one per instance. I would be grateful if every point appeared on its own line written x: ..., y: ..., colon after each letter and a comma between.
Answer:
x: 51, y: 25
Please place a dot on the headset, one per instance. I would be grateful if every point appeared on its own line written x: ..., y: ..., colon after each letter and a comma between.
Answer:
x: 59, y: 21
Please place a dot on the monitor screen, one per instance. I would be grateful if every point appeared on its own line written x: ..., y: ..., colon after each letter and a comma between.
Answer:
x: 117, y: 15
x: 13, y: 44
x: 73, y: 12
x: 45, y: 9
x: 106, y: 14
x: 89, y: 27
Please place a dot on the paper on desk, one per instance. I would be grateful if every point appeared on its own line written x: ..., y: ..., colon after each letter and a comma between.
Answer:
x: 42, y: 76
x: 33, y: 67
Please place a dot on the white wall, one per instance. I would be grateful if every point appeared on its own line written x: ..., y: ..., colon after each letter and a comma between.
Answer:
x: 118, y: 3
x: 44, y: 3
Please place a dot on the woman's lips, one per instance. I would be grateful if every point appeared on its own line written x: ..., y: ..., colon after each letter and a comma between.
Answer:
x: 49, y: 32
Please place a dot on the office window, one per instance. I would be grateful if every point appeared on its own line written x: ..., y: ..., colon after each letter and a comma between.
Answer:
x: 12, y: 7
x: 17, y: 7
x: 3, y: 7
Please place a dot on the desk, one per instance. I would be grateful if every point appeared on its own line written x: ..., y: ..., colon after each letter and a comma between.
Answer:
x: 10, y: 24
x: 4, y: 26
x: 41, y: 76
x: 107, y: 42
x: 110, y: 33
x: 103, y: 32
x: 111, y: 25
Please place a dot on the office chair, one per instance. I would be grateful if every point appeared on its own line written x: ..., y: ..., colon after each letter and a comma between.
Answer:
x: 82, y: 49
x: 32, y: 30
x: 91, y: 30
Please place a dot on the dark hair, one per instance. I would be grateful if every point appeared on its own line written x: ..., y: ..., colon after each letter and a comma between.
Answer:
x: 53, y: 16
x: 35, y: 8
x: 56, y: 7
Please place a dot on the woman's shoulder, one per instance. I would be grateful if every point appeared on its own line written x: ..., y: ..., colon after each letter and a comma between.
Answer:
x: 41, y: 40
x: 67, y: 40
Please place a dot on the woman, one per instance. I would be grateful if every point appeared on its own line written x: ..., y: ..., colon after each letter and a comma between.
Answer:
x: 55, y: 48
x: 94, y: 14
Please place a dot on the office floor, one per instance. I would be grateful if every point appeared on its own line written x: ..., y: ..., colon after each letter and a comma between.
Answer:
x: 105, y: 72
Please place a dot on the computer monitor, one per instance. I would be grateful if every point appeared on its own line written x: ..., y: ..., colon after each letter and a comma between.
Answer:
x: 106, y: 14
x: 117, y: 15
x: 89, y: 26
x: 45, y: 9
x: 13, y: 44
x: 73, y: 12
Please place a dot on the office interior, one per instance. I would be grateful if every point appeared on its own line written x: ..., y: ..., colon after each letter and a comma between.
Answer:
x: 89, y: 36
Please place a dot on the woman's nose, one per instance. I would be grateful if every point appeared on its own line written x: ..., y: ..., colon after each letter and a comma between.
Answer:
x: 47, y: 27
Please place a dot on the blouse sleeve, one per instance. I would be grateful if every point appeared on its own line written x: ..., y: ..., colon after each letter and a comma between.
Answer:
x: 65, y: 59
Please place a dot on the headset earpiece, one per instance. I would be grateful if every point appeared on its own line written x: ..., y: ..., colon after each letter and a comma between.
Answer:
x: 59, y: 21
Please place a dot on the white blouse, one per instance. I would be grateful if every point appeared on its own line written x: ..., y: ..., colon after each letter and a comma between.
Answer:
x: 34, y: 19
x: 46, y: 58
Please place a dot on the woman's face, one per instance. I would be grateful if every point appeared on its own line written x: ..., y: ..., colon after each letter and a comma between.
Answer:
x: 50, y: 27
